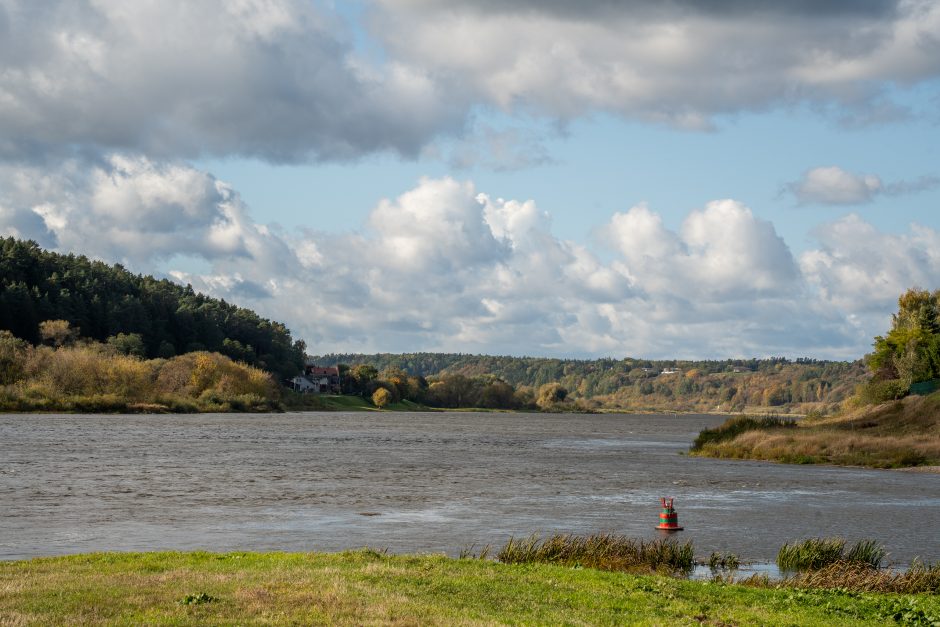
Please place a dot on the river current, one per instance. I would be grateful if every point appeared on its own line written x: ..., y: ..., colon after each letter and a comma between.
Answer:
x: 422, y: 482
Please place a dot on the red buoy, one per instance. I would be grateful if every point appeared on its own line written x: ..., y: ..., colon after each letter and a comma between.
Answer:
x: 668, y: 518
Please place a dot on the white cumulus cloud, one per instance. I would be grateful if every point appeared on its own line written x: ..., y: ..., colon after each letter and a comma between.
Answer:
x: 680, y: 62
x: 445, y: 266
x: 275, y: 79
x: 831, y: 185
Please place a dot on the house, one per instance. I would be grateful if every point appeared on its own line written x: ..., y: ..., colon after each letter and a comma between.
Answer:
x: 324, y: 378
x: 303, y: 385
x: 670, y: 371
x: 317, y: 380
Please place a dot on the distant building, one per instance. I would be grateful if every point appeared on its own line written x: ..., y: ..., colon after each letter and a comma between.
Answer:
x: 302, y: 384
x: 324, y: 378
x: 670, y: 371
x: 317, y: 380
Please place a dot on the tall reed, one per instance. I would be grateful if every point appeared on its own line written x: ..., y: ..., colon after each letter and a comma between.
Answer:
x: 602, y: 551
x: 816, y: 553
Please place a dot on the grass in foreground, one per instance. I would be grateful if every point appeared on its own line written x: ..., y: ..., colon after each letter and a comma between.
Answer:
x: 898, y: 434
x: 368, y: 587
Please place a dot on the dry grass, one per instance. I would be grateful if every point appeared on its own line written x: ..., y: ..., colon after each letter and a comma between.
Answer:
x: 92, y: 377
x: 898, y: 434
x: 858, y: 577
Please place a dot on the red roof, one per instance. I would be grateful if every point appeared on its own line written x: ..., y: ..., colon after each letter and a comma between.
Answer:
x: 327, y: 370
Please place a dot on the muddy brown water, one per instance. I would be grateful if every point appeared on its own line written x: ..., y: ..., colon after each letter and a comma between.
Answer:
x: 424, y: 482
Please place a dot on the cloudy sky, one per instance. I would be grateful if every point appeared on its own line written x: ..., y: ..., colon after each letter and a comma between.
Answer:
x: 681, y: 178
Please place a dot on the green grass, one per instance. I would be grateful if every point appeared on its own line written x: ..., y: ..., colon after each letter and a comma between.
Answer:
x: 368, y: 588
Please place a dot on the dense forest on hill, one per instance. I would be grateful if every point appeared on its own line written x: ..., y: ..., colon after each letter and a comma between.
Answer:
x: 803, y: 385
x: 102, y: 301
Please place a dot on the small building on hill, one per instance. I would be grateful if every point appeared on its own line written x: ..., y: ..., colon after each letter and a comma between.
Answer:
x: 317, y: 380
x: 302, y: 384
x: 324, y: 378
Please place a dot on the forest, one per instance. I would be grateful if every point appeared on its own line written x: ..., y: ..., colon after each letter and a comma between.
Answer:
x: 774, y: 384
x: 101, y: 301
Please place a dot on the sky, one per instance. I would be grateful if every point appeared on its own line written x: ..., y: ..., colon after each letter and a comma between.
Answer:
x: 676, y: 179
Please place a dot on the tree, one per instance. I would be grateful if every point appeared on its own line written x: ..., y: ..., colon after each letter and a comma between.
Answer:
x: 128, y: 344
x: 13, y: 354
x: 359, y: 378
x: 57, y: 332
x: 911, y: 349
x: 381, y: 398
x: 498, y: 395
x: 551, y: 394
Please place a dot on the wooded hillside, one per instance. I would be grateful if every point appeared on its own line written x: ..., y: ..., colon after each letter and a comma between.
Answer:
x: 728, y: 385
x: 103, y: 300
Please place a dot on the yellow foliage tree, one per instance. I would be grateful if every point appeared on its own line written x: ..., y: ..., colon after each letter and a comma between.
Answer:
x: 381, y: 398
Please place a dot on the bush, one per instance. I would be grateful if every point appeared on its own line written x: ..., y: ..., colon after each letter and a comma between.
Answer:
x: 875, y: 392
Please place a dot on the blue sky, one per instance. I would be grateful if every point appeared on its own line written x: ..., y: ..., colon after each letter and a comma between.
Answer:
x: 604, y: 164
x: 679, y: 179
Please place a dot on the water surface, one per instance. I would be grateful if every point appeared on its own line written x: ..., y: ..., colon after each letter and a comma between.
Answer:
x: 423, y: 482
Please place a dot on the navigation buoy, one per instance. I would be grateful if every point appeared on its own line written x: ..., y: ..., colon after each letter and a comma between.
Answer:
x: 668, y: 518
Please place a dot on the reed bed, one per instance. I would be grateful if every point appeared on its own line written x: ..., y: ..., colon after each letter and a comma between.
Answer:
x: 816, y: 553
x: 601, y: 551
x: 920, y: 578
x: 733, y: 427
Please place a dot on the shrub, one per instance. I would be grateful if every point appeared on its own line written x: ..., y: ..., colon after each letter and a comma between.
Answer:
x: 875, y: 392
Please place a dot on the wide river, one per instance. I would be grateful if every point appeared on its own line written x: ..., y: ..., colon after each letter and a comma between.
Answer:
x: 424, y: 482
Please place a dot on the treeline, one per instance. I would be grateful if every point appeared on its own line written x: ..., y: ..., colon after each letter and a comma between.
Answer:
x: 908, y: 357
x: 451, y: 391
x: 637, y: 384
x: 88, y: 376
x: 102, y: 301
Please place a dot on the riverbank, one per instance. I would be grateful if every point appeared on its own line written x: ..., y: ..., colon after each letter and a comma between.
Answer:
x: 897, y: 434
x: 368, y: 587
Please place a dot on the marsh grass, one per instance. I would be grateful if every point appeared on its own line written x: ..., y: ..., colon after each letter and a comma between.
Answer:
x: 601, y: 551
x: 733, y: 427
x: 817, y: 553
x: 899, y: 434
x: 726, y: 561
x: 920, y: 578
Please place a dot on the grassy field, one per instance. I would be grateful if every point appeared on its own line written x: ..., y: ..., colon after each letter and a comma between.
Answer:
x: 898, y: 434
x: 366, y: 587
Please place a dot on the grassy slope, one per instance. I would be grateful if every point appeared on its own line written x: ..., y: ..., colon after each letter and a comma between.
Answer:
x: 891, y: 435
x: 365, y: 587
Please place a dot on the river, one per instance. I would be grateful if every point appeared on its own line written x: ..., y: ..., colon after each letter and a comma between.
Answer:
x: 422, y: 482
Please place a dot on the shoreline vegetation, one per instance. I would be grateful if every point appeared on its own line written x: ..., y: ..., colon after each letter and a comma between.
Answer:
x: 559, y: 580
x: 898, y: 434
x: 892, y: 421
